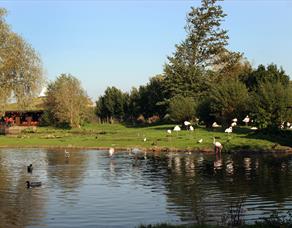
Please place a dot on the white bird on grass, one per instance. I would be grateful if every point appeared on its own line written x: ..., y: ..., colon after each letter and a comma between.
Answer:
x: 145, y: 139
x: 176, y: 128
x: 233, y: 124
x: 200, y: 140
x: 215, y: 125
x: 246, y: 120
x: 168, y: 131
x: 228, y: 130
x: 191, y: 128
x: 187, y: 123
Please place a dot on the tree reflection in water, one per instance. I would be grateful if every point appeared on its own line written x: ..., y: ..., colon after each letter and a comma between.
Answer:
x: 191, y: 187
x: 202, y: 187
x: 20, y: 206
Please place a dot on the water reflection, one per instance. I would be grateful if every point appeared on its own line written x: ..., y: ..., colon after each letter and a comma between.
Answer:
x: 16, y: 202
x: 91, y: 189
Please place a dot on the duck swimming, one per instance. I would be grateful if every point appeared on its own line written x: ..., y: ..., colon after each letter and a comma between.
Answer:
x: 33, y: 184
x: 29, y: 168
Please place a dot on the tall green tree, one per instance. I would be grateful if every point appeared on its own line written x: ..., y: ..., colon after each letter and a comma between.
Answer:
x: 21, y: 72
x: 228, y: 99
x: 186, y: 72
x: 112, y: 104
x: 150, y: 97
x: 67, y: 101
x: 182, y: 108
x: 262, y: 74
x: 270, y: 104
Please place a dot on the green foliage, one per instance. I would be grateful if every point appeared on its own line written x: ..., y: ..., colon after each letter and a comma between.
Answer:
x: 150, y: 96
x: 228, y: 99
x: 270, y: 104
x: 204, y: 111
x: 181, y: 80
x: 205, y: 37
x: 182, y: 108
x: 66, y: 101
x: 186, y: 73
x: 112, y: 104
x: 263, y: 74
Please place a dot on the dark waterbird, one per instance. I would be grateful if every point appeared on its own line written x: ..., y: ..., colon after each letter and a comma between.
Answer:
x: 29, y: 168
x: 33, y: 184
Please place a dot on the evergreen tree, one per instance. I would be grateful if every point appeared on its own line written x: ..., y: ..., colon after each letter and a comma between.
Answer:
x: 187, y: 72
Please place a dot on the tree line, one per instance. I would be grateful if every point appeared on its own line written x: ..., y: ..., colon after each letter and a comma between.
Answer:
x: 202, y: 81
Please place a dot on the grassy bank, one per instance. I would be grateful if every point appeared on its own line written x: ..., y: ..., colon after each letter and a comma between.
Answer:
x: 121, y: 136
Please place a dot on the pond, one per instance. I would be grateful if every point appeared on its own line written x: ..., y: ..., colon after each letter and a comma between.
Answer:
x: 89, y: 189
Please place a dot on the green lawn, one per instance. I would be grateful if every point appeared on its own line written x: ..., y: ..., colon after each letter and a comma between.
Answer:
x: 120, y: 136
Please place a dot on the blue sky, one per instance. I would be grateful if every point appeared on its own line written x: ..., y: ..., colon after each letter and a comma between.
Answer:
x: 124, y: 43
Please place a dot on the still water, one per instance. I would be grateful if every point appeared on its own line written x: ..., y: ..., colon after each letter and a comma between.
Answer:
x: 89, y: 189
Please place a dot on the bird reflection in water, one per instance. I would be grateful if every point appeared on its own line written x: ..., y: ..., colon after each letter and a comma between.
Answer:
x: 218, y: 162
x: 229, y: 167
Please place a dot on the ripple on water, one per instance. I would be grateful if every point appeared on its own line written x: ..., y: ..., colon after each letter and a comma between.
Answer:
x: 89, y: 189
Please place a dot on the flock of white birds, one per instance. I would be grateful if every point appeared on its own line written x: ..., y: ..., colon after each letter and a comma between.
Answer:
x: 218, y: 146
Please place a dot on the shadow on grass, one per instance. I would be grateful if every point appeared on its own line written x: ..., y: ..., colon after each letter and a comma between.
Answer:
x: 156, y: 126
x: 281, y: 137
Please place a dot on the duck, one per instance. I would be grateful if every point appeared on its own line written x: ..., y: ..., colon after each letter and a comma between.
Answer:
x: 33, y: 184
x: 29, y: 168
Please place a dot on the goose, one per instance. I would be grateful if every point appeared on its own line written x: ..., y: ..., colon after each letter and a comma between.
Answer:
x: 191, y: 128
x: 33, y: 184
x: 200, y: 140
x: 111, y: 151
x: 67, y: 154
x: 29, y: 168
x: 168, y: 131
x: 217, y: 145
